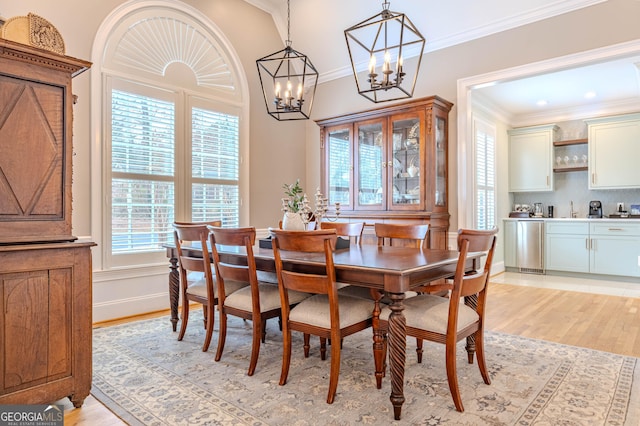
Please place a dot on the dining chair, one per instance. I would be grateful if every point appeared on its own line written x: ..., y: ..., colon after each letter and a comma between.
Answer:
x: 412, y: 235
x: 461, y: 315
x: 209, y: 222
x: 351, y: 230
x: 326, y: 313
x: 196, y: 276
x: 401, y: 234
x: 257, y: 301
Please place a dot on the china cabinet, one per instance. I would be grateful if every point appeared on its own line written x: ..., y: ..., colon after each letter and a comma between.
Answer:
x: 531, y: 158
x: 390, y: 165
x: 614, y: 149
x: 45, y: 276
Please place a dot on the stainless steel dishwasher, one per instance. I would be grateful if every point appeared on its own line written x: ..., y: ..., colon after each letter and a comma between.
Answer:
x: 530, y: 246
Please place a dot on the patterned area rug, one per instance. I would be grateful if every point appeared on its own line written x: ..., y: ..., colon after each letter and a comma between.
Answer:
x: 145, y: 376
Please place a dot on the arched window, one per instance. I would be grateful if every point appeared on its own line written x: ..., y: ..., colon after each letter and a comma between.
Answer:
x: 173, y: 103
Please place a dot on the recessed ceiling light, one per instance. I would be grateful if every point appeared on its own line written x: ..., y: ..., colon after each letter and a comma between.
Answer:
x: 541, y: 102
x: 590, y: 95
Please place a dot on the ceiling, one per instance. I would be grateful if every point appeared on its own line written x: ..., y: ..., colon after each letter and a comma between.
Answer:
x: 442, y: 25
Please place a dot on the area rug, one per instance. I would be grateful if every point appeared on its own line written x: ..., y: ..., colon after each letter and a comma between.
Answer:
x: 144, y: 375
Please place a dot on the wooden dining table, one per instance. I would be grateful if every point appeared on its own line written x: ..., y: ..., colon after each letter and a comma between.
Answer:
x: 389, y: 270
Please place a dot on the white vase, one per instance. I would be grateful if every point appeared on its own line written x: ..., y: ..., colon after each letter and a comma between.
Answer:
x: 292, y: 222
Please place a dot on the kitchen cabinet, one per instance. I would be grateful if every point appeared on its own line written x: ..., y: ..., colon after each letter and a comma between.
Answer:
x: 567, y: 246
x: 389, y: 165
x: 531, y: 158
x: 596, y: 247
x: 615, y: 248
x: 614, y: 149
x: 510, y: 230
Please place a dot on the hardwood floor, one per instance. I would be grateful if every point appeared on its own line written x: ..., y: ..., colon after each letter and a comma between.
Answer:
x: 606, y: 323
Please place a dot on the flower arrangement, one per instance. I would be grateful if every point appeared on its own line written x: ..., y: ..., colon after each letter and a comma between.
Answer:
x: 295, y: 197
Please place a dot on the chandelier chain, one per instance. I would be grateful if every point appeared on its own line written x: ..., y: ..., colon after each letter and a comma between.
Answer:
x: 288, y: 24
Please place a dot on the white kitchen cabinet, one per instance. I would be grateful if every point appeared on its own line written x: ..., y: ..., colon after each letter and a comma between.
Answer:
x: 598, y: 247
x: 510, y: 260
x: 567, y: 246
x: 531, y: 158
x: 614, y: 149
x: 615, y: 249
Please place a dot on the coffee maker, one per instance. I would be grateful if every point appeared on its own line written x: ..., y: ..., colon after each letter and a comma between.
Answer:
x: 595, y: 209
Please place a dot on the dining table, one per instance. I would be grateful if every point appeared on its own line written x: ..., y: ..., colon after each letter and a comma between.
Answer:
x: 385, y: 269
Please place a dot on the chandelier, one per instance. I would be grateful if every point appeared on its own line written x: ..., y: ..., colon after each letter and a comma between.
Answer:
x: 387, y: 38
x: 288, y: 80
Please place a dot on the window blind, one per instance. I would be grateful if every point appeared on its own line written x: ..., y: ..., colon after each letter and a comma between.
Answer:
x: 215, y: 166
x: 142, y: 192
x: 485, y: 177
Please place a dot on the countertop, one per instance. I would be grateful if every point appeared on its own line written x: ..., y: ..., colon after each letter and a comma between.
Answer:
x: 576, y: 219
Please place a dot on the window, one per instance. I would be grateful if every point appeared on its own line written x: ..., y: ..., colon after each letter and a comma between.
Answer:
x: 214, y: 167
x: 142, y: 172
x: 173, y: 135
x: 485, y: 196
x: 146, y: 177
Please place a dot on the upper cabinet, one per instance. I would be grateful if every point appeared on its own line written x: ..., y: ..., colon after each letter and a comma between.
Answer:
x: 531, y: 158
x: 614, y: 149
x: 388, y: 162
x: 36, y: 127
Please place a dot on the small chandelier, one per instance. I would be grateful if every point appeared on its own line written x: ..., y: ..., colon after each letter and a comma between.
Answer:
x: 384, y: 39
x: 284, y: 77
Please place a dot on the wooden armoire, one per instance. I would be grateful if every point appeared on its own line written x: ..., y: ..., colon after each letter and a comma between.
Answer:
x: 45, y: 274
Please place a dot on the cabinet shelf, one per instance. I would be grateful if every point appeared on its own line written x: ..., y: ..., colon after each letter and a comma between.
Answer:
x: 570, y: 169
x: 571, y: 142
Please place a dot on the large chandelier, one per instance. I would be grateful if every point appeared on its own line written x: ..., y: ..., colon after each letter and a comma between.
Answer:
x: 288, y: 80
x: 378, y: 47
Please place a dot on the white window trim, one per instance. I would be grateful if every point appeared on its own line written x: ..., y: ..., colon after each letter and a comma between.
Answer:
x: 99, y: 181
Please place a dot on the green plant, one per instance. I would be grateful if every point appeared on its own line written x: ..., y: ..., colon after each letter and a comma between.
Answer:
x: 295, y: 195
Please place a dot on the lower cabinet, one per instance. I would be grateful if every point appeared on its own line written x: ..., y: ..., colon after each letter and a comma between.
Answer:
x: 567, y: 246
x: 510, y: 235
x: 606, y: 248
x: 45, y: 324
x: 615, y: 249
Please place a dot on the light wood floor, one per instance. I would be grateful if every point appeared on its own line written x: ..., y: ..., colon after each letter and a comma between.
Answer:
x: 607, y: 323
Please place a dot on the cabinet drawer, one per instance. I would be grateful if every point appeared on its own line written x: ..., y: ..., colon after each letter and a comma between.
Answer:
x: 552, y: 227
x: 610, y: 228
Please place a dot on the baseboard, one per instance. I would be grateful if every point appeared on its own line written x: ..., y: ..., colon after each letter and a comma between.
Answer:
x: 127, y: 307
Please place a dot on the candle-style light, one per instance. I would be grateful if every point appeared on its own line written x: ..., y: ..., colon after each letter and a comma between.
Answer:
x: 284, y: 70
x: 392, y: 35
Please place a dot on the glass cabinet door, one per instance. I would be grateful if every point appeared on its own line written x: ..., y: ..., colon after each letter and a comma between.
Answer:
x: 339, y: 167
x: 441, y: 161
x: 406, y: 165
x: 371, y: 165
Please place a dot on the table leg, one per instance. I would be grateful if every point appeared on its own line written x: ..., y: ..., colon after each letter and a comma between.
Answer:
x: 378, y: 339
x: 174, y: 291
x: 397, y: 351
